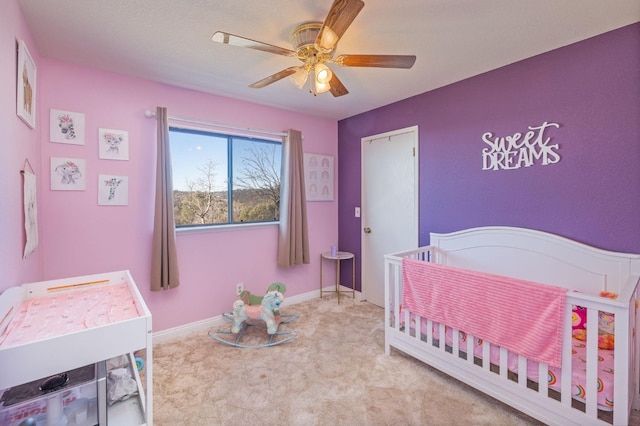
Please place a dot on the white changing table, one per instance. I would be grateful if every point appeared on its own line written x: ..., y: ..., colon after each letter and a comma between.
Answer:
x: 40, y: 358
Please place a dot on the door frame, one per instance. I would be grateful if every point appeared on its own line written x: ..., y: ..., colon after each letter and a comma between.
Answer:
x: 416, y: 195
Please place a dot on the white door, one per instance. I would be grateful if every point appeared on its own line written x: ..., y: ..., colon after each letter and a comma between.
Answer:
x: 389, y: 213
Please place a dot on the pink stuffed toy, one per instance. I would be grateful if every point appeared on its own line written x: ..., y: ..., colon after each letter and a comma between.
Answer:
x: 578, y: 318
x: 605, y: 324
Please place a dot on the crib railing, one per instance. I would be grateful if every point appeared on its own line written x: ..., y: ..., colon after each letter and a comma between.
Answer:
x: 404, y: 330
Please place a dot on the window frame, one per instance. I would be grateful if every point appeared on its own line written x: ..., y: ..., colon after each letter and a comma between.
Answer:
x: 229, y: 225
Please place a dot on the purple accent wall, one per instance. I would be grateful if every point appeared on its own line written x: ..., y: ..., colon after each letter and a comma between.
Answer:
x: 592, y: 195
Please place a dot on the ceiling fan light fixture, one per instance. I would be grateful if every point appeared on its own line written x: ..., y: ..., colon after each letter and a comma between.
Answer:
x: 323, y: 74
x: 322, y: 87
x: 327, y: 39
x: 299, y: 78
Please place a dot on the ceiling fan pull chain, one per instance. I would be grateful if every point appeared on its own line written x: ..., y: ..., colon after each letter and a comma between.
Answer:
x: 311, y: 85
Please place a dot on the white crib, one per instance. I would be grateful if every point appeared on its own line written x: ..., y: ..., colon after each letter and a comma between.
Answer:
x: 543, y: 258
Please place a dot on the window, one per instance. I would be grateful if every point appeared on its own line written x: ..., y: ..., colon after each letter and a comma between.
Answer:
x: 221, y: 179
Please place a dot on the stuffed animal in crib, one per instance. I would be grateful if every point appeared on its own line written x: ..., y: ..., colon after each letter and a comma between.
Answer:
x: 606, y: 321
x: 268, y: 311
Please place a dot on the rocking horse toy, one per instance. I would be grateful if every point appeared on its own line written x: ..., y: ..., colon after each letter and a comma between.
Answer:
x: 262, y: 311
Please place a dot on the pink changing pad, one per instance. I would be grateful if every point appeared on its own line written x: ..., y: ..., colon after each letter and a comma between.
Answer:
x: 65, y: 312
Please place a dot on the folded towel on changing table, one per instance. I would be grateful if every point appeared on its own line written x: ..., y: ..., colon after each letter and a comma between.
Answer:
x: 522, y: 316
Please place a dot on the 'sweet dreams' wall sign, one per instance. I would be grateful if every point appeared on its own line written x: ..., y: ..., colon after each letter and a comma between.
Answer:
x: 518, y: 150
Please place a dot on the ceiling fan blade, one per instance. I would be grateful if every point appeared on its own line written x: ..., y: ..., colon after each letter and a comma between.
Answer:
x: 234, y: 40
x: 378, y: 61
x: 336, y: 87
x: 273, y: 78
x: 340, y: 16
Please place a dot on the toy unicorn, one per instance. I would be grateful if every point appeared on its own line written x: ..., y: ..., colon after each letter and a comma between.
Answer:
x: 251, y: 309
x: 268, y: 311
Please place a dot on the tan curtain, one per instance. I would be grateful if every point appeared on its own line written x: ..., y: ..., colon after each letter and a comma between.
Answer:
x: 164, y: 262
x: 293, y: 246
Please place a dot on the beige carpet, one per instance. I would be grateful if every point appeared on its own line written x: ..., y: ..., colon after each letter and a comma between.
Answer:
x: 334, y: 373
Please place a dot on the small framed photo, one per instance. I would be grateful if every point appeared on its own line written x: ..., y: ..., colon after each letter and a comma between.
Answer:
x: 26, y: 78
x: 113, y: 144
x: 113, y: 190
x: 68, y: 174
x: 66, y: 127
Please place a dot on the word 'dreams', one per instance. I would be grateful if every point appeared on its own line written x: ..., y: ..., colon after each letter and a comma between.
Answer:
x: 518, y: 150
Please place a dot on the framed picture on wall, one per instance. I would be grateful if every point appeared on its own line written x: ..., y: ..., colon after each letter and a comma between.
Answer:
x: 67, y: 174
x: 66, y: 127
x: 26, y: 78
x: 318, y: 174
x: 113, y: 190
x: 113, y: 144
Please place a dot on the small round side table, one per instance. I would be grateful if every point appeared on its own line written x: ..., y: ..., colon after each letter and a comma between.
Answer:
x: 340, y: 256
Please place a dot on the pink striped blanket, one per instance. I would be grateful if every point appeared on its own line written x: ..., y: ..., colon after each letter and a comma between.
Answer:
x: 522, y: 316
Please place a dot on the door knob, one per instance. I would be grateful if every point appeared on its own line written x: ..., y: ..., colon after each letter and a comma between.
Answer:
x: 367, y: 230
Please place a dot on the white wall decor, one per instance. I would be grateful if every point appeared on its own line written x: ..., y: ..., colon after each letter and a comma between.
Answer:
x: 30, y: 203
x: 66, y: 127
x: 113, y: 144
x: 318, y: 176
x: 67, y: 174
x: 113, y: 190
x: 518, y: 150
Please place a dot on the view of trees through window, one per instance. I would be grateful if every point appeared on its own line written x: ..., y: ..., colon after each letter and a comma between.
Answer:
x: 212, y: 172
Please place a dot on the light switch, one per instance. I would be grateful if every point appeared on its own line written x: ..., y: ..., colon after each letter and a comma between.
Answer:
x: 357, y: 211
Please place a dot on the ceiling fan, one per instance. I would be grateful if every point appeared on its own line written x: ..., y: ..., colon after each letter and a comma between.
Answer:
x: 315, y: 44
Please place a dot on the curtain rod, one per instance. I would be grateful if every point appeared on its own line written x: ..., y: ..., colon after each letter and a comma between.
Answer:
x: 149, y: 114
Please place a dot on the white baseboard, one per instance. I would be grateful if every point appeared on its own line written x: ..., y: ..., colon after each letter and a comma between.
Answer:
x: 209, y: 323
x: 187, y: 329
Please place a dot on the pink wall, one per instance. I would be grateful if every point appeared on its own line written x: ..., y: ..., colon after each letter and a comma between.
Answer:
x: 78, y: 237
x: 83, y: 238
x: 17, y: 142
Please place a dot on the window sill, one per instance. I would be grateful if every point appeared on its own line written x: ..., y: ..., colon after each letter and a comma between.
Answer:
x: 224, y: 228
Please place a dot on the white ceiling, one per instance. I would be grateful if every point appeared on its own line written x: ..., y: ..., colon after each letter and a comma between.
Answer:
x: 170, y: 41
